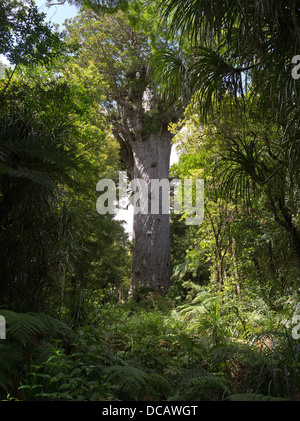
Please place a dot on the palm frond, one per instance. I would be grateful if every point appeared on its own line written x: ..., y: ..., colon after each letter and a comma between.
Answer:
x: 169, y: 70
x: 197, y: 17
x: 211, y: 77
x: 237, y: 38
x: 202, y: 76
x: 243, y: 166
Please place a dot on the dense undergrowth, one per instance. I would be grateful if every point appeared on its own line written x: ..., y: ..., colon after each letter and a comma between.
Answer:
x: 203, y: 346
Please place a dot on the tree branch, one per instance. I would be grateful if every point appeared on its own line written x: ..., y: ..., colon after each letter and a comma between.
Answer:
x: 59, y: 3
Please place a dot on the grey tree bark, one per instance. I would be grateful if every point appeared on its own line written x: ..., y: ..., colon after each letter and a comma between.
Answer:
x: 151, y: 257
x: 147, y: 158
x: 146, y: 154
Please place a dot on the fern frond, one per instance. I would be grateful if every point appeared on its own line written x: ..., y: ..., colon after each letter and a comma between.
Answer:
x: 240, y: 352
x: 21, y: 327
x: 131, y: 381
x: 199, y: 384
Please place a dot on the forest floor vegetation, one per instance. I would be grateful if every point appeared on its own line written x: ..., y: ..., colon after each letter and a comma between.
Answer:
x: 192, y: 344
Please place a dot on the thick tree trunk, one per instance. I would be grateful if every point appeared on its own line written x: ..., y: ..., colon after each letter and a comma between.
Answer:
x: 151, y: 256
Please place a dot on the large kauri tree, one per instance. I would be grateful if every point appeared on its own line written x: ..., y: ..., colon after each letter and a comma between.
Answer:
x: 139, y: 119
